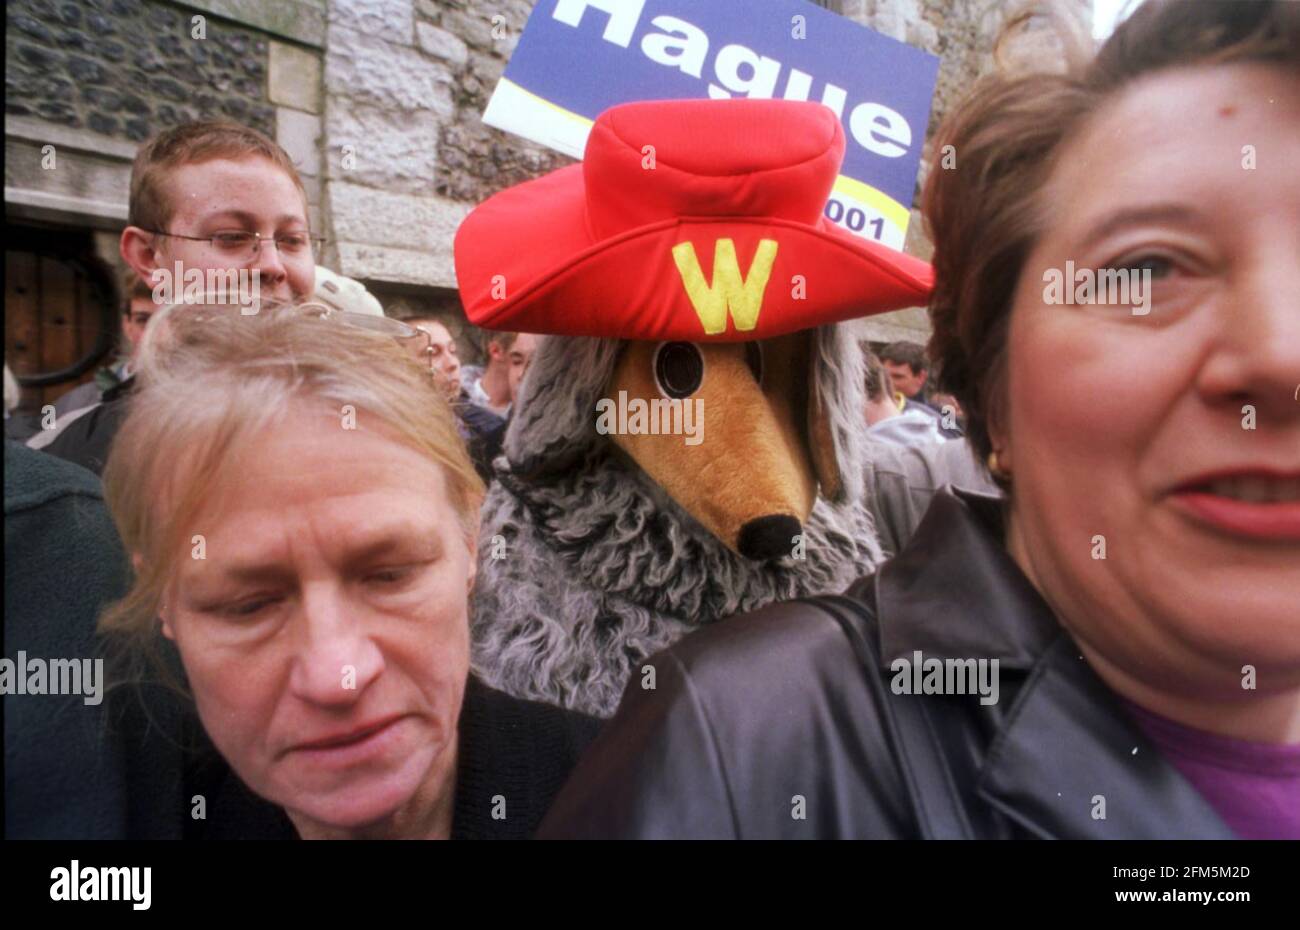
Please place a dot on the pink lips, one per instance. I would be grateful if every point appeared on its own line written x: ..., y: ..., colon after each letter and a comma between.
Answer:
x: 352, y: 746
x: 1254, y: 503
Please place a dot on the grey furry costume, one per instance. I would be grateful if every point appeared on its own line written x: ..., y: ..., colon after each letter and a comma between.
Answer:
x: 587, y: 567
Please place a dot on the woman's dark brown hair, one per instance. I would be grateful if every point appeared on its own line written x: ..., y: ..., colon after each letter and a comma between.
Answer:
x: 984, y: 213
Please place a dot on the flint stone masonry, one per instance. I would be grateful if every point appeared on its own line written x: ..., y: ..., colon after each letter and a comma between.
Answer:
x: 94, y: 78
x: 474, y: 160
x: 129, y: 68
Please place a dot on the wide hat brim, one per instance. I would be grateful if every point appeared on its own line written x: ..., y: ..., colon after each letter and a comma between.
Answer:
x: 527, y: 261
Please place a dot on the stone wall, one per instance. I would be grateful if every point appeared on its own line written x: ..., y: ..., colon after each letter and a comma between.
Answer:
x: 128, y: 68
x: 97, y: 77
x: 379, y: 102
x: 962, y: 34
x: 407, y: 154
x: 477, y: 160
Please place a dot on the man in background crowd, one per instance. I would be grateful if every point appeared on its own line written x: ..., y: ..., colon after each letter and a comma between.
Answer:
x: 496, y: 385
x: 482, y: 428
x: 444, y: 356
x: 909, y: 370
x: 885, y: 421
x: 137, y: 308
x: 209, y: 196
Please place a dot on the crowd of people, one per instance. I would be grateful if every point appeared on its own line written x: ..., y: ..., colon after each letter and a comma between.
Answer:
x: 267, y: 523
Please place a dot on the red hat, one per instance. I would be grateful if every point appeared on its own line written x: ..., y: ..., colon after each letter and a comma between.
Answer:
x: 687, y: 219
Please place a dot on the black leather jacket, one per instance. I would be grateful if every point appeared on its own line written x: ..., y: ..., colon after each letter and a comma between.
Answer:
x: 783, y: 723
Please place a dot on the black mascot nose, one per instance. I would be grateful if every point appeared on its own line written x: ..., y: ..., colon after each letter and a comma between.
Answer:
x: 768, y: 537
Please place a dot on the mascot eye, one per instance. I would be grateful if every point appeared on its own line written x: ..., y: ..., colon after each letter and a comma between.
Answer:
x: 679, y: 369
x: 754, y: 358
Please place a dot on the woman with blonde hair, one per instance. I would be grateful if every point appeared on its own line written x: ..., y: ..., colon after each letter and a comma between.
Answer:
x: 302, y: 516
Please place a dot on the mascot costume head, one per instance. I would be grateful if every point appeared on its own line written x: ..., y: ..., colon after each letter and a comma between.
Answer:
x: 686, y: 444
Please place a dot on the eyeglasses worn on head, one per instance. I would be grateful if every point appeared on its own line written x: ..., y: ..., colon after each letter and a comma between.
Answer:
x: 416, y: 340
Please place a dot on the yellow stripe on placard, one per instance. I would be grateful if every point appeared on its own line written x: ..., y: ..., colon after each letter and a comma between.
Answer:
x: 568, y: 114
x: 878, y: 200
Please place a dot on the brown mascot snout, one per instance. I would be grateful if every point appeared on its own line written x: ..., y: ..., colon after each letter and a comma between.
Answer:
x: 731, y: 433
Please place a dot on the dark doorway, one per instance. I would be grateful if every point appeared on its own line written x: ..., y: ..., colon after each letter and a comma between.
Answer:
x: 61, y: 318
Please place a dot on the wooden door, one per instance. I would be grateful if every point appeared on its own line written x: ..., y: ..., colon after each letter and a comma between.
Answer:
x: 61, y: 315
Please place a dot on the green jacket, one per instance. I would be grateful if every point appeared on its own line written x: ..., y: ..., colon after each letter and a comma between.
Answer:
x: 79, y: 765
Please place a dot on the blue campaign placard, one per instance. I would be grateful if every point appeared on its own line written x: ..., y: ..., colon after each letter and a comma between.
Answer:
x: 577, y: 58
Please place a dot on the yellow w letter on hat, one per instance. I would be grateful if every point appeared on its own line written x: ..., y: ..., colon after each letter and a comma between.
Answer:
x: 729, y: 291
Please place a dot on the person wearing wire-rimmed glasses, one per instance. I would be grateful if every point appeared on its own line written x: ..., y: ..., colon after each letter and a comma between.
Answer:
x: 219, y: 196
x: 210, y: 196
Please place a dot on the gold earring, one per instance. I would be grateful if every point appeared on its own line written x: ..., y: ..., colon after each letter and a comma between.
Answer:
x: 995, y: 466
